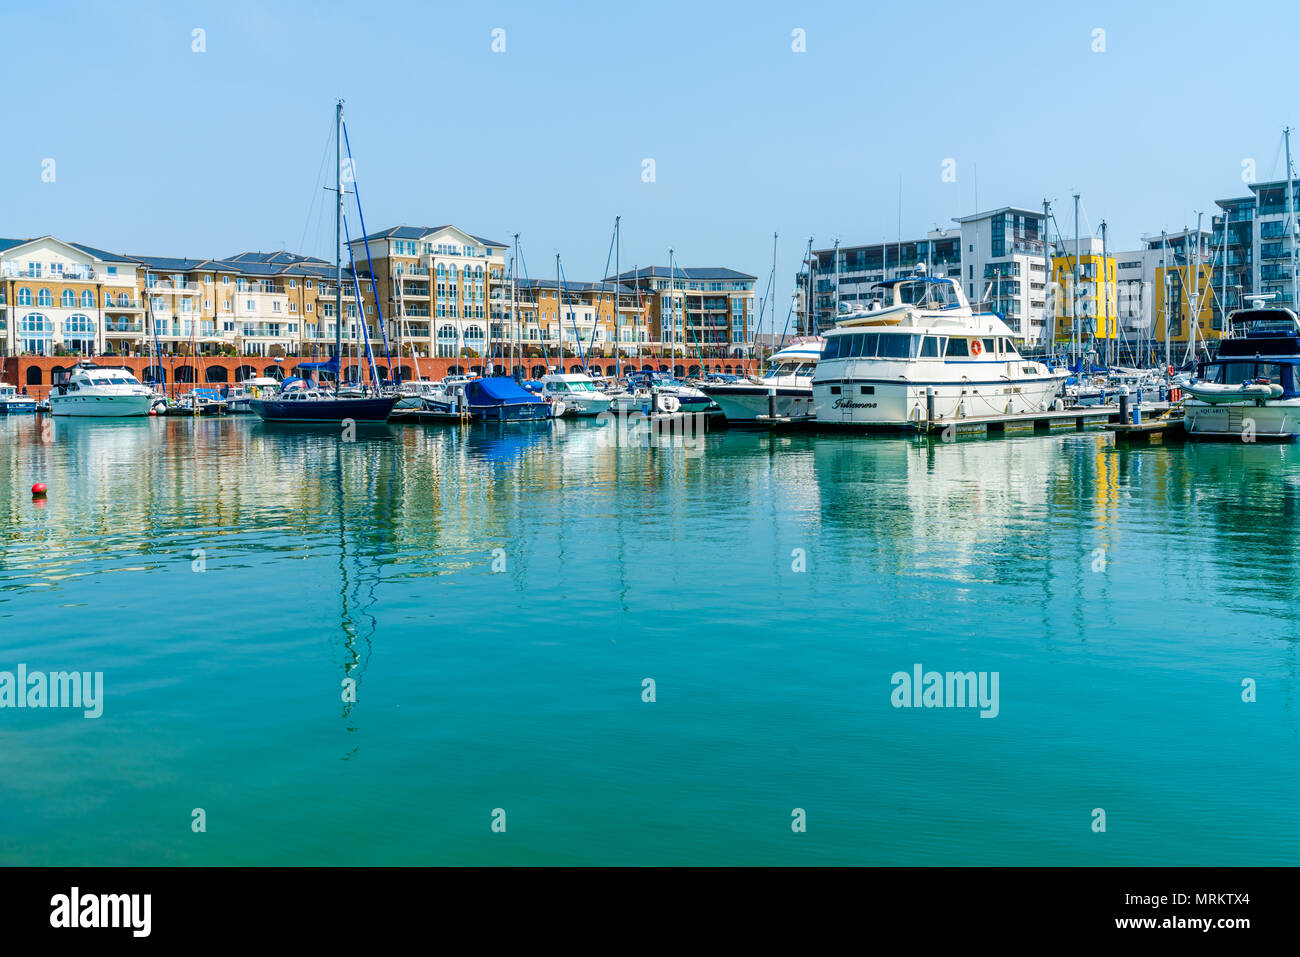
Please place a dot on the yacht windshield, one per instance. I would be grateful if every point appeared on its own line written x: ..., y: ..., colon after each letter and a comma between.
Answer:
x: 921, y: 292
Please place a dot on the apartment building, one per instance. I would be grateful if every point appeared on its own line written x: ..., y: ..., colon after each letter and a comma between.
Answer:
x: 1003, y: 267
x: 61, y: 298
x: 438, y: 288
x: 577, y: 316
x: 836, y: 279
x: 697, y: 310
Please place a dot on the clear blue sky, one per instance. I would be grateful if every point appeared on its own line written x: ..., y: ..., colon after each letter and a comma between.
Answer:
x: 160, y: 150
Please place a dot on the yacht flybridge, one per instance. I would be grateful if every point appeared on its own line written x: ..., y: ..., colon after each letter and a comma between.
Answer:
x: 1253, y: 387
x: 921, y: 335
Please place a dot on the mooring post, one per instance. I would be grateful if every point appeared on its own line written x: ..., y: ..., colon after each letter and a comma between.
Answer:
x: 929, y: 407
x: 1123, y: 404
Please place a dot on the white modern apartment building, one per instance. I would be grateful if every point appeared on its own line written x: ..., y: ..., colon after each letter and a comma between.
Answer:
x: 1002, y: 265
x: 58, y: 297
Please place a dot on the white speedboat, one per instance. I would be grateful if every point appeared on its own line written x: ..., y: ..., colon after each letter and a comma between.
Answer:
x: 921, y: 339
x: 1252, y: 388
x: 578, y: 393
x: 413, y: 393
x: 11, y: 402
x: 89, y: 390
x: 784, y: 389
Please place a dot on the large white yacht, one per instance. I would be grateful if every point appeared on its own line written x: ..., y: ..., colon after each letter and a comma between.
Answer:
x: 921, y: 335
x: 784, y: 388
x: 90, y: 390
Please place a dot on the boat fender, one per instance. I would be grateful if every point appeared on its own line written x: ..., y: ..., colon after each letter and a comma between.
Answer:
x: 667, y: 404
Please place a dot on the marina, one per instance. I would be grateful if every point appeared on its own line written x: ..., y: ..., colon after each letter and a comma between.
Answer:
x: 324, y: 560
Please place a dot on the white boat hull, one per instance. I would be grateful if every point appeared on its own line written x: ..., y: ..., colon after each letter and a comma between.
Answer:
x: 1278, y: 419
x: 874, y: 403
x: 742, y: 404
x: 101, y: 406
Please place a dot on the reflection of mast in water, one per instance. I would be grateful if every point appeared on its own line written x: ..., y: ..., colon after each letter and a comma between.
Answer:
x: 353, y: 604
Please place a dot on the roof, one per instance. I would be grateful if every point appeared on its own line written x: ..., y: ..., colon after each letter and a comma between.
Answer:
x: 88, y: 250
x: 419, y: 232
x: 570, y: 285
x: 690, y: 273
x: 1019, y: 210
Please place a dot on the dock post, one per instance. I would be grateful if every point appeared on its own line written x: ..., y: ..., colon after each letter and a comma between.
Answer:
x: 771, y: 403
x: 1123, y: 403
x: 929, y: 407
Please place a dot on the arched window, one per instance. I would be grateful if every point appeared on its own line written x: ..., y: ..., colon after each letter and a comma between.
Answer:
x: 447, y: 341
x: 69, y: 299
x: 35, y: 332
x: 478, y: 272
x: 441, y: 271
x: 24, y: 296
x: 43, y: 298
x: 87, y: 299
x: 473, y: 332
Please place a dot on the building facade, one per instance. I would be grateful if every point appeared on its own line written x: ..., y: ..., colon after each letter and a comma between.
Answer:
x: 694, y: 311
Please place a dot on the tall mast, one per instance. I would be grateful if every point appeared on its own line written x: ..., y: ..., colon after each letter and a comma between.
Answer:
x: 1164, y: 263
x: 559, y: 312
x: 1048, y: 338
x: 837, y: 279
x: 1075, y: 337
x: 1194, y: 307
x: 1290, y: 213
x: 338, y: 243
x: 672, y: 307
x: 618, y: 280
x: 514, y: 305
x: 1106, y: 319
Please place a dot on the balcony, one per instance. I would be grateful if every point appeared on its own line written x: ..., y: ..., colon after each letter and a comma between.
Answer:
x: 122, y: 304
x: 113, y: 326
x: 169, y: 287
x: 70, y: 273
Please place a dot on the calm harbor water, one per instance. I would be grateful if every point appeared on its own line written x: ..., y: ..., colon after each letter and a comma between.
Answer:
x: 1122, y: 596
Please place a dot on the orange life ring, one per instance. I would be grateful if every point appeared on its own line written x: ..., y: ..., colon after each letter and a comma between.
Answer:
x: 1171, y: 370
x: 976, y: 347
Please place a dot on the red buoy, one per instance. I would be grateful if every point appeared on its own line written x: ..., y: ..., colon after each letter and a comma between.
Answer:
x: 39, y: 490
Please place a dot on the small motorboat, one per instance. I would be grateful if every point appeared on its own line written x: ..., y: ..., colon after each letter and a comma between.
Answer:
x: 11, y: 402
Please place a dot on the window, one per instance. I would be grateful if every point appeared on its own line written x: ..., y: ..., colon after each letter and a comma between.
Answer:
x: 87, y: 299
x: 930, y: 347
x: 225, y: 280
x: 44, y: 298
x: 957, y: 347
x: 24, y: 296
x: 293, y: 284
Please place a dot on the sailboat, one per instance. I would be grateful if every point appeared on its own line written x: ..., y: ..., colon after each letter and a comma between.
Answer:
x: 317, y: 405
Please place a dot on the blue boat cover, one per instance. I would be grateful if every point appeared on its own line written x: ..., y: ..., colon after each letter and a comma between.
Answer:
x: 498, y: 390
x: 329, y: 365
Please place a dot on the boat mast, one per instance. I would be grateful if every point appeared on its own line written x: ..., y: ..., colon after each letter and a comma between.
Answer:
x: 837, y: 279
x: 1194, y: 319
x: 672, y: 310
x: 1049, y: 338
x: 559, y: 311
x: 618, y: 281
x: 514, y: 306
x: 1106, y: 319
x: 1290, y: 212
x: 338, y: 243
x: 1075, y: 337
x: 1164, y: 265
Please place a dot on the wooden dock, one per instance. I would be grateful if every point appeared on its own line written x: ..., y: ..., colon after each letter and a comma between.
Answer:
x: 1153, y: 430
x: 1096, y: 416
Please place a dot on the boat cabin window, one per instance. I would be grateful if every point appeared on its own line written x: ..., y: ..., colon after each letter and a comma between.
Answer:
x: 957, y: 347
x: 896, y: 346
x: 920, y: 292
x: 990, y: 346
x: 930, y: 347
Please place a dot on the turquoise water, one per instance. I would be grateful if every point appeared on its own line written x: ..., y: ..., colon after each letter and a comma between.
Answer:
x: 1120, y: 671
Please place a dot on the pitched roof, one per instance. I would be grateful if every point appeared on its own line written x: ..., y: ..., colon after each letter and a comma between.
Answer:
x: 692, y: 273
x: 419, y: 232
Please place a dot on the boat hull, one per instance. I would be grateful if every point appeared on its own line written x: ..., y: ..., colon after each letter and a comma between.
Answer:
x: 511, y: 412
x: 325, y: 410
x: 1244, y: 422
x: 871, y: 403
x: 100, y: 406
x: 17, y: 407
x: 743, y: 404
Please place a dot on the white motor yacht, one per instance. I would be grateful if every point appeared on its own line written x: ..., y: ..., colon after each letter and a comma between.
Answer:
x: 89, y: 390
x: 577, y: 391
x: 921, y: 337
